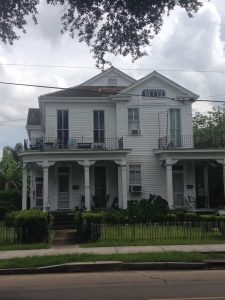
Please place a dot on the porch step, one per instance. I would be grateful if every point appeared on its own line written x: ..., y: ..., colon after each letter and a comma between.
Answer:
x: 64, y: 237
x: 63, y: 220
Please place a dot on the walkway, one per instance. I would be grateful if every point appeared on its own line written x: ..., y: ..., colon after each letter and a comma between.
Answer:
x: 112, y: 250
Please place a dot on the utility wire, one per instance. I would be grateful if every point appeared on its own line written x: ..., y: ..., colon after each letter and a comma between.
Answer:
x: 125, y: 69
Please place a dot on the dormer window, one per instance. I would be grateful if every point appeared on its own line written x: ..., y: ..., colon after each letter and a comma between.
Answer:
x: 112, y: 81
x: 154, y: 93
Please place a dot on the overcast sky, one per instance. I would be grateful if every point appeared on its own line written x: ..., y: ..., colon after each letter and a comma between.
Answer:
x: 183, y: 43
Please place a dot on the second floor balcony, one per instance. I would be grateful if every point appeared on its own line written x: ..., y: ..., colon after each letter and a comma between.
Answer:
x: 75, y: 143
x: 192, y: 141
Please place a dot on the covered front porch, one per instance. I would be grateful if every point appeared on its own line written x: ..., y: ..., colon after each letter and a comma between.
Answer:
x: 72, y: 182
x: 195, y: 178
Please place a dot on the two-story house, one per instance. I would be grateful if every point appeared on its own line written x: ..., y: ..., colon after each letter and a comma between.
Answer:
x: 114, y: 139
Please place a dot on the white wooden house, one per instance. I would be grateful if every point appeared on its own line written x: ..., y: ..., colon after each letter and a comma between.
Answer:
x: 114, y: 139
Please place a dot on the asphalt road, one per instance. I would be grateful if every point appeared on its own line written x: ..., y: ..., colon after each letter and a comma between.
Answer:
x: 199, y: 285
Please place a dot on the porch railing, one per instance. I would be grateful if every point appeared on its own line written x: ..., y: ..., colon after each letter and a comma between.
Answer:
x: 181, y: 202
x: 73, y: 143
x: 189, y: 141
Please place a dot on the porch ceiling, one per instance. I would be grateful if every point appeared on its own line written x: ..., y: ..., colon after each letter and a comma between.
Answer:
x: 191, y: 154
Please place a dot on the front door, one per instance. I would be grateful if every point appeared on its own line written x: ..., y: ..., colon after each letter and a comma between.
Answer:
x: 63, y: 188
x: 100, y: 187
x: 39, y: 192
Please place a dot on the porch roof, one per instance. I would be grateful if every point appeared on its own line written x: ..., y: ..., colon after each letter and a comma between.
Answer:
x: 191, y: 154
x: 68, y: 155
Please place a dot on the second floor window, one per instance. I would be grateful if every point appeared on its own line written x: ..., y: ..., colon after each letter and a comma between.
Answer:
x: 175, y: 126
x: 133, y: 121
x: 63, y: 127
x: 99, y: 126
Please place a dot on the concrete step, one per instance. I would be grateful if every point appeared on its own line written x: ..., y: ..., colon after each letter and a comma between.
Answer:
x: 64, y: 237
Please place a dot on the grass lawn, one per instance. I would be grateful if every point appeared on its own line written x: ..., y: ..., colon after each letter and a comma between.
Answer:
x: 142, y: 235
x: 24, y: 246
x: 40, y: 261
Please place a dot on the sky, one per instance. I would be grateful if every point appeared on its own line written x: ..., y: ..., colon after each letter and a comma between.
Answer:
x: 184, y: 43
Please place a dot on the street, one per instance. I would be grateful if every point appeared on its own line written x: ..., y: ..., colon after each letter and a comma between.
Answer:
x: 138, y: 285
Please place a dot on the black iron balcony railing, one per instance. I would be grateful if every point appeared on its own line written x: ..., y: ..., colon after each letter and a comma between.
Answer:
x: 189, y: 141
x: 76, y: 143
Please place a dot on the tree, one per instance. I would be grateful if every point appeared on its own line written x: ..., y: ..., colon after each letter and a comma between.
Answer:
x: 209, y: 129
x: 10, y: 169
x: 107, y: 26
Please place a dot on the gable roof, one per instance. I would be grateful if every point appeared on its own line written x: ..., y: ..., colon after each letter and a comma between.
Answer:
x: 105, y: 73
x: 85, y: 91
x: 165, y: 79
x: 33, y: 117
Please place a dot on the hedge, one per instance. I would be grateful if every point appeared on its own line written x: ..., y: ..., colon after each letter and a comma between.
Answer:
x: 5, y: 207
x: 12, y: 196
x: 32, y: 225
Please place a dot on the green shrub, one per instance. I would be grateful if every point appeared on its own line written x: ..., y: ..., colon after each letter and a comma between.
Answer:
x: 207, y: 218
x: 117, y: 217
x: 94, y: 217
x: 5, y: 207
x: 180, y: 214
x: 171, y: 217
x: 32, y: 225
x: 12, y: 196
x: 191, y: 217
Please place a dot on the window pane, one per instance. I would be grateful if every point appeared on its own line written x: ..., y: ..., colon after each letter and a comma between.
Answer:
x: 95, y: 119
x: 65, y: 120
x: 96, y: 138
x: 59, y: 119
x: 60, y: 136
x: 66, y: 137
x: 136, y: 113
x: 102, y: 136
x: 101, y: 119
x: 130, y: 113
x: 63, y: 183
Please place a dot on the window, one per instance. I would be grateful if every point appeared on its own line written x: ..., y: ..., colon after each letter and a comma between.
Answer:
x: 134, y: 175
x: 153, y: 93
x: 63, y: 127
x: 133, y: 121
x: 112, y: 81
x: 175, y: 126
x: 99, y: 126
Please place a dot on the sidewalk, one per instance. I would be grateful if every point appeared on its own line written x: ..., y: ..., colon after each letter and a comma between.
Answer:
x: 112, y: 250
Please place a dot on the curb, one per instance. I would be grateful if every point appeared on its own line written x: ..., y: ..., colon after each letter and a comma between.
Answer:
x: 110, y: 266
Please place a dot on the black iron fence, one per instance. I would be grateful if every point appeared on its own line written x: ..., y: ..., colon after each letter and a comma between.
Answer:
x: 165, y: 231
x: 73, y: 143
x: 23, y: 235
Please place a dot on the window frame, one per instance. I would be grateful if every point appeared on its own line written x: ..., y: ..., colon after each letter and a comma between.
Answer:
x: 115, y: 80
x: 131, y: 123
x: 100, y: 137
x: 154, y: 92
x: 139, y: 181
x: 63, y: 137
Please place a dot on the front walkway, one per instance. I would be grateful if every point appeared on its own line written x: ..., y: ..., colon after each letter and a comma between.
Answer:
x: 112, y: 250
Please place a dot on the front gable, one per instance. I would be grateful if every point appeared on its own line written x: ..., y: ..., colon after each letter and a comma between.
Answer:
x: 110, y: 77
x: 157, y: 81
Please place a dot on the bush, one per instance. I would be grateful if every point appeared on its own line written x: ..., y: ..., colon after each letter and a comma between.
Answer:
x: 32, y: 225
x: 5, y: 207
x: 171, y: 217
x: 180, y: 214
x: 207, y: 218
x: 191, y: 217
x: 12, y: 196
x: 117, y: 217
x: 94, y: 217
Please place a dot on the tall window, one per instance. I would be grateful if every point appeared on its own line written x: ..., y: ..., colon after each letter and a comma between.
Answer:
x: 133, y: 121
x: 99, y: 126
x: 175, y: 126
x: 135, y: 174
x: 63, y: 127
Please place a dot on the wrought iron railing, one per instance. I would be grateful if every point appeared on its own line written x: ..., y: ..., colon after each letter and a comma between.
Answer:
x: 189, y: 141
x: 73, y: 143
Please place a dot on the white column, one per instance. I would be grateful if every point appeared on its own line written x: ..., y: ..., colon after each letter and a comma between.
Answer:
x: 24, y: 189
x: 120, y: 194
x: 224, y: 179
x: 45, y: 188
x: 87, y: 186
x: 124, y: 185
x: 169, y: 180
x: 206, y: 185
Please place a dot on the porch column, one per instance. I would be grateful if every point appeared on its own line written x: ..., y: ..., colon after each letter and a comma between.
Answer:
x: 120, y: 194
x: 169, y: 180
x: 206, y: 184
x: 222, y: 161
x: 87, y: 186
x: 24, y: 188
x: 124, y: 185
x: 45, y: 188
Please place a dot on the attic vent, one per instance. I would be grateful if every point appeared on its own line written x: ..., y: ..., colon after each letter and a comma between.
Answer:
x: 153, y: 93
x: 112, y: 81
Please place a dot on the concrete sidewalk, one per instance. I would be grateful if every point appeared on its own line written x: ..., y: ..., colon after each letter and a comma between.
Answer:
x: 112, y: 250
